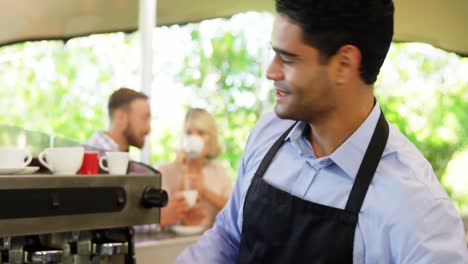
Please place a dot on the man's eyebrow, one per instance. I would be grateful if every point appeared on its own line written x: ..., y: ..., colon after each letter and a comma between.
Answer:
x: 284, y: 52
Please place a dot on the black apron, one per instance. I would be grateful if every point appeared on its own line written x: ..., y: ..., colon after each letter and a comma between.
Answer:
x: 282, y: 228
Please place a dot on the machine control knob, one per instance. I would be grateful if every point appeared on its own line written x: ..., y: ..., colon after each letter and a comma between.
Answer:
x: 153, y: 197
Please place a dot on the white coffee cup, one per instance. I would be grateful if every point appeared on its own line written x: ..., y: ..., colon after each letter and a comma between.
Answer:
x: 190, y: 196
x: 13, y: 158
x: 62, y: 160
x: 192, y: 145
x: 117, y: 162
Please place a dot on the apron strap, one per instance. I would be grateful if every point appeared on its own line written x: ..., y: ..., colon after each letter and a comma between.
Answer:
x: 366, y: 170
x: 272, y: 152
x: 368, y: 166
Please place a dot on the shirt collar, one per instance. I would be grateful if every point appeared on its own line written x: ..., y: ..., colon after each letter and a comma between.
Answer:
x: 348, y: 156
x: 109, y: 142
x: 296, y: 132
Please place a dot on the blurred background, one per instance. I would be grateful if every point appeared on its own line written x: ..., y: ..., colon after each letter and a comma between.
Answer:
x: 61, y: 88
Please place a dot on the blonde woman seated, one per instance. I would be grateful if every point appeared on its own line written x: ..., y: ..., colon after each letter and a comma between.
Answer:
x: 196, y: 168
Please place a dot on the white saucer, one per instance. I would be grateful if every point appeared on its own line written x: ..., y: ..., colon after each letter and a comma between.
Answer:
x: 187, y: 230
x: 29, y: 170
x: 10, y: 170
x: 19, y: 171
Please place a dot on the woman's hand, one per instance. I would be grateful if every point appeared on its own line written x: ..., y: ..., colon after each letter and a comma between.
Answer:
x: 189, y: 216
x: 181, y: 206
x: 168, y: 213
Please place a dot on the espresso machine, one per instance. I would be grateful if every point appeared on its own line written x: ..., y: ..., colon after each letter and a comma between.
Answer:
x: 47, y: 218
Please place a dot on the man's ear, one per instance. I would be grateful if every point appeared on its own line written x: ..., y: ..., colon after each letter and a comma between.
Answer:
x: 348, y: 63
x: 120, y: 117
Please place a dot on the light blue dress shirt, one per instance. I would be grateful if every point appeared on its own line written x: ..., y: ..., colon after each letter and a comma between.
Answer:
x: 406, y: 216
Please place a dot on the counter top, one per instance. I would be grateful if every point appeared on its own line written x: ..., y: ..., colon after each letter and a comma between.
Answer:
x: 161, y: 248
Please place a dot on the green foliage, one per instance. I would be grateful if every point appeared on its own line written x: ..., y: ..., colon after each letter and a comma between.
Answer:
x: 434, y: 116
x: 222, y: 76
x: 40, y: 90
x: 62, y: 88
x: 163, y: 147
x: 428, y: 101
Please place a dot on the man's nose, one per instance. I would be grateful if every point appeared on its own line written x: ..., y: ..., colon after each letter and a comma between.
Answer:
x: 274, y: 71
x: 148, y: 127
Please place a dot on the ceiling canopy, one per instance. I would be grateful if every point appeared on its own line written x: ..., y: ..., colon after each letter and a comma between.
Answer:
x: 443, y: 24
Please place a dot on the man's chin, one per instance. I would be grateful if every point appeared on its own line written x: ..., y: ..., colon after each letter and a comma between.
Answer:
x: 139, y: 145
x: 282, y: 113
x: 136, y: 144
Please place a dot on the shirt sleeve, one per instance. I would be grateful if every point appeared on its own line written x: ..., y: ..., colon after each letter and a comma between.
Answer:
x: 438, y: 239
x: 220, y: 244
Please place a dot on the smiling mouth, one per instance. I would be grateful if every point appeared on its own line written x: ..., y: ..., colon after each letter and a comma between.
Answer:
x: 281, y: 93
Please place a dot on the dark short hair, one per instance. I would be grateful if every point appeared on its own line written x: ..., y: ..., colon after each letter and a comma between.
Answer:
x: 122, y: 98
x: 330, y: 24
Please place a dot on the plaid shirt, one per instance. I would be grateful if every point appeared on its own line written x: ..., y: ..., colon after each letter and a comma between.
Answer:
x: 101, y: 142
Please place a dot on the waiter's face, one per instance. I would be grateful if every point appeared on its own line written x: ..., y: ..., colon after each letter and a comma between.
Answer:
x: 303, y: 88
x: 138, y: 122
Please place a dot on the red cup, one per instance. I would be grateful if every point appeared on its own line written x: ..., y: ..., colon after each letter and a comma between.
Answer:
x: 90, y: 163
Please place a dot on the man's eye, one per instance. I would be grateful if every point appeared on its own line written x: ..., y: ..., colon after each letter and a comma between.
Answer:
x: 285, y: 61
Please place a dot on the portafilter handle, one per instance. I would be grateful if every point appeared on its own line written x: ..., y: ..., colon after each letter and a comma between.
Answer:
x: 153, y: 197
x: 109, y: 249
x: 44, y: 256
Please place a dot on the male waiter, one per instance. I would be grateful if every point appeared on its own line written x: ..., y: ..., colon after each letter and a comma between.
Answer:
x: 326, y: 179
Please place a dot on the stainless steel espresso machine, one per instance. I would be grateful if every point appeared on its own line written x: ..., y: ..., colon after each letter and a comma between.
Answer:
x: 75, y: 218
